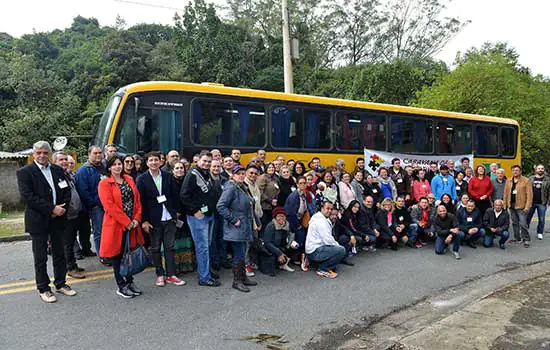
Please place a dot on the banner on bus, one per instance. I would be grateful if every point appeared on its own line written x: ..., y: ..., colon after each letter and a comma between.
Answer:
x: 374, y: 160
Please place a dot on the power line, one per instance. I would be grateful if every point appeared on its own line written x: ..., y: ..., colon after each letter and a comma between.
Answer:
x: 148, y: 5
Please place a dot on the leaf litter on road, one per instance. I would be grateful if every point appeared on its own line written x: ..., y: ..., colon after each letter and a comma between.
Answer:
x: 271, y: 341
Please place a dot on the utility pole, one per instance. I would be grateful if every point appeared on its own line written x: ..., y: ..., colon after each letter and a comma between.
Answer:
x: 287, y: 55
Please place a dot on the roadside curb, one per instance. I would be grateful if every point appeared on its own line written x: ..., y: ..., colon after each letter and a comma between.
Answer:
x: 15, y: 238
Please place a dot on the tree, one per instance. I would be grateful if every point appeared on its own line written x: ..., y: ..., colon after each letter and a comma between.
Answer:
x: 489, y: 81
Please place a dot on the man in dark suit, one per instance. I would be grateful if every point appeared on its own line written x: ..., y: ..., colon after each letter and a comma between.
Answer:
x: 159, y: 201
x: 47, y: 194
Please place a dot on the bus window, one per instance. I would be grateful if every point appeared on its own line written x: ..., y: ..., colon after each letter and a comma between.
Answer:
x: 453, y: 138
x: 411, y: 135
x: 152, y: 130
x: 486, y: 140
x: 286, y: 127
x: 218, y: 123
x: 358, y: 130
x: 508, y: 141
x: 316, y: 129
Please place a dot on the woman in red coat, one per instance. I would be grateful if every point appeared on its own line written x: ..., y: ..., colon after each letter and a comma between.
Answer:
x: 120, y: 199
x: 480, y: 189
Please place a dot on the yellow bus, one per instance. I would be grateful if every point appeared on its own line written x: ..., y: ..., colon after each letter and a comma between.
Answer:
x: 188, y: 117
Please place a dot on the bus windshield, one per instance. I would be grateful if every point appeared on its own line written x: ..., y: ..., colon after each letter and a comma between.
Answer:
x: 106, y: 121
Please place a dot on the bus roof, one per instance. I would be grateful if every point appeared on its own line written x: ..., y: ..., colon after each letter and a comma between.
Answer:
x: 219, y: 89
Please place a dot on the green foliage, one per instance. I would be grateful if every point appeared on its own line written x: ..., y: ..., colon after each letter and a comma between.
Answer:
x: 490, y: 81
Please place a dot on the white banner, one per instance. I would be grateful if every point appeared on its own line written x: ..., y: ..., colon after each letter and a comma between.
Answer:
x: 374, y: 160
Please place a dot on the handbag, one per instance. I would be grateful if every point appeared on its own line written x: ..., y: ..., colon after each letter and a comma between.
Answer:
x: 133, y: 260
x: 305, y: 219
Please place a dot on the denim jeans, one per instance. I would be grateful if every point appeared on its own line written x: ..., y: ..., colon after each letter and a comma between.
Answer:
x: 489, y: 238
x: 328, y: 256
x: 541, y: 213
x: 239, y: 251
x: 440, y: 243
x: 218, y: 247
x: 519, y: 223
x: 412, y: 232
x: 164, y: 235
x: 475, y: 236
x: 201, y: 231
x: 97, y: 222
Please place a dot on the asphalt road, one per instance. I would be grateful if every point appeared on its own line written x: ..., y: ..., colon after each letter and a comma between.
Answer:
x: 300, y: 305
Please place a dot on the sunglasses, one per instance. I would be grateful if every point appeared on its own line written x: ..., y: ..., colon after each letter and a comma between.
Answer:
x: 129, y: 161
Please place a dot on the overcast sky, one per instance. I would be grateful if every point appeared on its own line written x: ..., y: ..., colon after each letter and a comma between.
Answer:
x: 523, y: 24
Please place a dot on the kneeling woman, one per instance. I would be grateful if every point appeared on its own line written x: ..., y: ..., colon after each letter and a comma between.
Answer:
x: 120, y: 199
x: 384, y: 219
x: 235, y: 207
x: 278, y: 240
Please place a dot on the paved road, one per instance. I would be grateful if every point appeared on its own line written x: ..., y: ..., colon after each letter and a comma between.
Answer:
x: 301, y: 305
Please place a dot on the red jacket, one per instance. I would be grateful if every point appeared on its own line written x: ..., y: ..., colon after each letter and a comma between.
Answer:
x: 419, y: 190
x: 115, y: 220
x: 478, y: 188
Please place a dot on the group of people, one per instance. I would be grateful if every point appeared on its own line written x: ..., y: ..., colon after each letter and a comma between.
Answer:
x: 215, y: 212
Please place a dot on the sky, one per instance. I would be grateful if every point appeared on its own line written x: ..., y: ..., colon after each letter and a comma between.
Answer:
x: 522, y: 24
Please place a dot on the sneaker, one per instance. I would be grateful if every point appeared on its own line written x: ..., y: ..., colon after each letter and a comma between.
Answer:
x: 456, y: 255
x: 80, y: 269
x: 254, y: 266
x: 304, y: 264
x: 48, y: 297
x: 210, y: 283
x: 132, y: 288
x: 285, y: 267
x: 327, y: 274
x: 249, y: 271
x: 175, y: 281
x: 539, y: 236
x: 76, y: 274
x: 125, y: 292
x: 502, y: 246
x: 423, y: 243
x: 347, y: 262
x: 106, y: 262
x: 514, y: 241
x: 353, y: 250
x: 159, y: 282
x: 418, y: 245
x: 372, y: 248
x: 526, y: 244
x: 66, y: 290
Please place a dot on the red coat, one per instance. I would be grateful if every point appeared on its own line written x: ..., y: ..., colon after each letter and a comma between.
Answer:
x: 115, y: 220
x: 421, y: 189
x: 478, y: 188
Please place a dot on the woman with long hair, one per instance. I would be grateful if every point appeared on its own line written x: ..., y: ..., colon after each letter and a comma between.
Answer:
x: 128, y: 163
x: 121, y: 201
x: 386, y: 184
x: 287, y: 185
x: 184, y: 252
x: 480, y: 188
x: 357, y: 185
x: 269, y: 189
x: 447, y: 202
x: 421, y: 186
x: 385, y: 220
x: 345, y: 191
x: 372, y: 188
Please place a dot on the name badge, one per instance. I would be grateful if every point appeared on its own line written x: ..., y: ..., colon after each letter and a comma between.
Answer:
x: 374, y: 190
x: 63, y: 184
x: 538, y: 185
x: 400, y: 218
x: 399, y: 181
x: 179, y: 223
x: 423, y: 186
x: 515, y: 192
x: 102, y: 177
x: 458, y: 188
x: 161, y: 199
x: 469, y: 219
x: 204, y: 209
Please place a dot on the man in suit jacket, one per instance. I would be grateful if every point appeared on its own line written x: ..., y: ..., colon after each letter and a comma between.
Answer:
x: 159, y: 201
x: 44, y: 189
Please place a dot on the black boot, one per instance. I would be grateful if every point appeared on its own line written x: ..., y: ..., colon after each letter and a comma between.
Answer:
x: 244, y: 277
x: 237, y: 280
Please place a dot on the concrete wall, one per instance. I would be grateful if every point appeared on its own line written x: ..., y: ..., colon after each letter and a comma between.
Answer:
x: 9, y: 192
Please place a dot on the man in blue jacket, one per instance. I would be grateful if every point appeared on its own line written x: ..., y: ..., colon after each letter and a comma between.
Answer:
x: 443, y: 183
x: 159, y: 203
x: 470, y: 222
x: 87, y: 181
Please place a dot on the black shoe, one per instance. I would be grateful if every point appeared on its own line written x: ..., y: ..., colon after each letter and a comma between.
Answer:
x: 88, y: 253
x: 106, y: 262
x: 226, y: 264
x: 125, y: 292
x: 409, y: 244
x: 214, y: 275
x: 79, y: 269
x: 471, y: 244
x: 132, y: 288
x: 216, y: 267
x: 210, y: 283
x: 347, y: 262
x: 240, y: 286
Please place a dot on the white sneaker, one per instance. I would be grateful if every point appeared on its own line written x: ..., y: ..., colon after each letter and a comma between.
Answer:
x: 456, y: 255
x: 539, y: 236
x: 48, y: 297
x: 285, y: 267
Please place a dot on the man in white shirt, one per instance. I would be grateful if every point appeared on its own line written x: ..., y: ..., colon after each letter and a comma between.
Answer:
x: 321, y: 245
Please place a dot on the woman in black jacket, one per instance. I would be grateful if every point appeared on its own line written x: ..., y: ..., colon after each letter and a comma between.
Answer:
x: 287, y: 185
x: 372, y: 188
x: 384, y: 219
x: 277, y: 240
x: 352, y: 238
x: 184, y: 254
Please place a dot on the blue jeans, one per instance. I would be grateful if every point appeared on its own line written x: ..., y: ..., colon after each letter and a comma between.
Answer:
x: 201, y: 231
x: 475, y: 236
x: 328, y: 256
x: 239, y: 252
x: 440, y: 243
x: 541, y: 213
x: 412, y: 232
x: 96, y: 215
x: 490, y: 237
